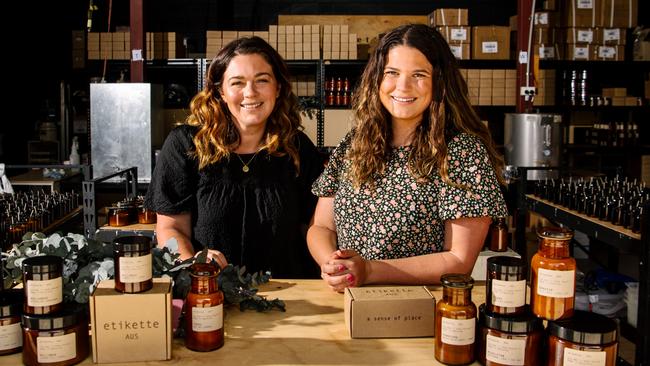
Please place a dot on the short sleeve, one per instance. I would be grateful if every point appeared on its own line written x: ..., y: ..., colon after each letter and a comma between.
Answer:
x: 174, y: 180
x: 328, y: 183
x: 477, y: 192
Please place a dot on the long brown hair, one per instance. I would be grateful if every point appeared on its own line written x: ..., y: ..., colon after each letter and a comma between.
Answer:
x: 449, y: 113
x: 217, y: 136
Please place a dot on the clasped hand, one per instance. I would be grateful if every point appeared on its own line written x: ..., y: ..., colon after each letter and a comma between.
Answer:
x: 345, y: 268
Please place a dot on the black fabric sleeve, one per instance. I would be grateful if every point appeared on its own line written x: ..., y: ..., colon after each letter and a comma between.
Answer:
x: 311, y: 166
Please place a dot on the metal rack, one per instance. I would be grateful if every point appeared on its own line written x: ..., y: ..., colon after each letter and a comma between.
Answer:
x: 616, y: 237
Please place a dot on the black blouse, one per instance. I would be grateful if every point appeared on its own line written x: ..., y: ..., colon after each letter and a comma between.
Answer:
x: 256, y: 218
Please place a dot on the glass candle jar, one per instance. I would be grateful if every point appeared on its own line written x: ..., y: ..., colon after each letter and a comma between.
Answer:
x: 204, y: 304
x: 499, y: 235
x: 455, y: 320
x: 146, y: 216
x: 506, y: 285
x: 133, y: 264
x: 118, y: 216
x: 11, y: 334
x: 510, y: 340
x: 60, y: 339
x: 553, y: 279
x: 43, y: 284
x: 584, y: 339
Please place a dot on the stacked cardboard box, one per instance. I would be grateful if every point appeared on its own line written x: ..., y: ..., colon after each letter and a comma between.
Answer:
x: 293, y: 42
x: 453, y: 25
x: 109, y: 46
x: 304, y: 85
x: 491, y: 86
x: 545, y: 84
x: 78, y: 49
x: 338, y: 43
x: 490, y: 42
x: 619, y: 97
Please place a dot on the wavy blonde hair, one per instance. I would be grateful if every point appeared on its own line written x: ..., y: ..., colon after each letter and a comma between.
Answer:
x: 449, y: 113
x: 217, y: 136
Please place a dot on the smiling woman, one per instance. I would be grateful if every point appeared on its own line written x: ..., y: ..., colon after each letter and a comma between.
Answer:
x: 236, y: 178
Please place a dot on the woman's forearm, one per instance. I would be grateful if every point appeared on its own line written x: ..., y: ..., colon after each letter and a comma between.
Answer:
x: 419, y: 270
x: 321, y: 242
x: 185, y: 247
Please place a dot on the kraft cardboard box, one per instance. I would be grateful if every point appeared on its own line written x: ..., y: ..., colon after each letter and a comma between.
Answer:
x: 389, y: 312
x: 582, y: 13
x: 131, y: 327
x: 443, y: 17
x: 490, y: 43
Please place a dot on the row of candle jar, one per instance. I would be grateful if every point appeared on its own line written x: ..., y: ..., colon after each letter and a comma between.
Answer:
x: 130, y: 211
x: 516, y: 339
x: 30, y: 212
x: 619, y: 202
x: 613, y: 134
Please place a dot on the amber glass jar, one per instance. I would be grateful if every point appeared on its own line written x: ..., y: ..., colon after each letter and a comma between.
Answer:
x: 204, y: 314
x: 133, y: 264
x: 118, y: 216
x: 507, y: 340
x: 146, y: 216
x: 43, y: 284
x: 455, y: 320
x: 585, y: 339
x: 11, y: 334
x: 499, y: 235
x: 553, y: 271
x: 506, y: 285
x: 55, y: 340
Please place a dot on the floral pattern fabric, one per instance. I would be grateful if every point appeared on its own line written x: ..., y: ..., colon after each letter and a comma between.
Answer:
x: 403, y: 218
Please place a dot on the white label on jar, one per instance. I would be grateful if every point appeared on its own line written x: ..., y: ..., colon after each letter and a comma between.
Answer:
x: 457, y: 332
x: 505, y: 351
x: 207, y: 319
x: 508, y: 294
x: 585, y: 4
x: 612, y: 34
x: 11, y: 336
x: 45, y: 292
x: 457, y: 51
x: 585, y: 36
x: 135, y: 269
x: 490, y: 47
x: 556, y: 283
x: 56, y: 349
x: 458, y: 34
x: 576, y: 357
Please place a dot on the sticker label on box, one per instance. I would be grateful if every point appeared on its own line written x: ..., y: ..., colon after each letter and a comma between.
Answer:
x: 541, y: 18
x: 560, y: 284
x: 546, y: 52
x: 56, y: 349
x: 458, y: 34
x: 581, y: 53
x: 612, y: 34
x: 490, y: 47
x: 457, y: 51
x: 207, y: 319
x: 585, y: 4
x: 45, y: 292
x: 585, y: 36
x: 606, y: 52
x: 505, y: 351
x: 457, y: 332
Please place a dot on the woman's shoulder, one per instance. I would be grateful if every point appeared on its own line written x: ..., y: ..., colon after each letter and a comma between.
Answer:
x: 183, y: 135
x: 464, y: 140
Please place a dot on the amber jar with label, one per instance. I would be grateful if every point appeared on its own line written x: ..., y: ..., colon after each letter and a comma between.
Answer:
x: 499, y: 235
x: 506, y: 285
x: 146, y: 216
x: 56, y: 340
x: 584, y: 339
x: 133, y: 264
x: 455, y: 320
x: 204, y: 309
x: 11, y: 333
x: 43, y: 284
x: 510, y: 340
x: 118, y: 216
x: 553, y: 271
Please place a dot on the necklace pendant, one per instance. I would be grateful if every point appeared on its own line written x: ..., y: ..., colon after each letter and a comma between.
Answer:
x: 245, y: 169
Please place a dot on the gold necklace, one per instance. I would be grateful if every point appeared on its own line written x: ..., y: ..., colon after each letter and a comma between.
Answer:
x: 245, y: 167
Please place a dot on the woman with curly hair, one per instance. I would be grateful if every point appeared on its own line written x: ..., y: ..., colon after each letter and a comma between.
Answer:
x: 236, y: 177
x: 409, y: 193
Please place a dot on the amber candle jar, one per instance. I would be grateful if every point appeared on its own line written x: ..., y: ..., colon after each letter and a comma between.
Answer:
x: 11, y: 333
x: 204, y: 314
x: 55, y: 340
x: 499, y: 235
x: 43, y: 284
x: 455, y: 320
x: 585, y: 339
x: 506, y: 340
x: 146, y: 216
x: 133, y: 264
x: 506, y: 285
x: 118, y: 216
x: 553, y: 279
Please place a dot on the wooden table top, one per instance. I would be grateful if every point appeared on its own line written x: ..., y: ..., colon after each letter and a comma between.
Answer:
x: 311, y: 332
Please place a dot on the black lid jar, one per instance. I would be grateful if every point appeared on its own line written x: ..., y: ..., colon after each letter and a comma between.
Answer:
x: 60, y: 339
x: 133, y: 264
x: 510, y: 339
x: 586, y: 337
x: 11, y: 334
x: 43, y: 284
x: 506, y: 285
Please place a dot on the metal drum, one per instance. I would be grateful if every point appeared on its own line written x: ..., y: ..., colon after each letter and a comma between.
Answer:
x: 533, y: 140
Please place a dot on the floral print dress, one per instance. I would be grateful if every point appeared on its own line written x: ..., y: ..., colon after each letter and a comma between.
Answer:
x: 403, y: 218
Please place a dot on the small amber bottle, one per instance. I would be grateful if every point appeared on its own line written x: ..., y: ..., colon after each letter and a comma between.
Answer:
x: 499, y: 235
x: 553, y: 275
x: 455, y: 320
x: 204, y: 309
